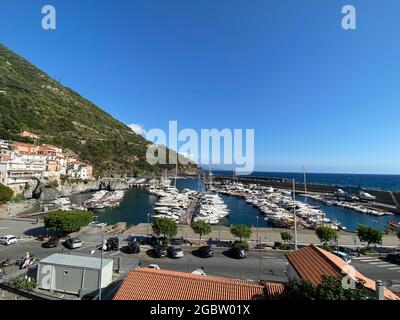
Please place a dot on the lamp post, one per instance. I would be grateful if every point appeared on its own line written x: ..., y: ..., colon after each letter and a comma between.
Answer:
x: 101, y: 263
x: 294, y: 214
x: 148, y: 223
x: 257, y: 228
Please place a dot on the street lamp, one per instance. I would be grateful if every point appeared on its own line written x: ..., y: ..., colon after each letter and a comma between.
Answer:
x: 257, y: 227
x: 148, y: 223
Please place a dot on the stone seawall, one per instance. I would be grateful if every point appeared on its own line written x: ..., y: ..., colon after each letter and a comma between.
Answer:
x: 48, y: 192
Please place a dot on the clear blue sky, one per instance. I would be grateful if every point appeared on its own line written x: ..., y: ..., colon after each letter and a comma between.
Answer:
x: 314, y: 93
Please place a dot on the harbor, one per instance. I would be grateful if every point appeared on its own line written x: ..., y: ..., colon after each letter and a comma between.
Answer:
x: 182, y: 199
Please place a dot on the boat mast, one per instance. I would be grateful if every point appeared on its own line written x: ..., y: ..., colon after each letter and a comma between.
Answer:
x: 294, y: 213
x: 176, y: 171
x: 305, y: 184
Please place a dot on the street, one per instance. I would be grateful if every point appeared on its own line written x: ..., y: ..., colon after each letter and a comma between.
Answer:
x: 273, y: 263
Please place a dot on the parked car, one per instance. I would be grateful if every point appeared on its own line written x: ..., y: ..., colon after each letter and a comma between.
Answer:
x: 238, y: 253
x: 160, y: 251
x: 112, y: 244
x: 175, y: 252
x: 206, y: 252
x: 133, y: 247
x: 153, y: 266
x: 73, y: 243
x: 393, y: 257
x: 342, y: 255
x: 8, y: 239
x: 199, y: 272
x: 51, y: 243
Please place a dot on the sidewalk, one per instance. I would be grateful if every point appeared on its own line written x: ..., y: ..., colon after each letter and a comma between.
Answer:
x: 267, y: 235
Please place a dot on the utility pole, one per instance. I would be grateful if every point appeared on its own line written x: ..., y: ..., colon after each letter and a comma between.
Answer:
x: 257, y: 228
x: 186, y: 254
x: 101, y: 263
x: 305, y: 184
x: 294, y: 213
x: 148, y: 222
x: 260, y: 260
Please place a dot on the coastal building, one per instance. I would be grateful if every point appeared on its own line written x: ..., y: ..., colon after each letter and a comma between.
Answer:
x: 5, y: 146
x: 19, y: 168
x: 24, y: 162
x: 27, y: 134
x: 312, y: 263
x: 152, y: 284
x: 80, y: 170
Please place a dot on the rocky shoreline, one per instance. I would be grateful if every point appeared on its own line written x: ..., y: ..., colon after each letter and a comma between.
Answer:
x: 47, y: 192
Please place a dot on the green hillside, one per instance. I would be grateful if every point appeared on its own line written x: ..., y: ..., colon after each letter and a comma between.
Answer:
x: 31, y: 100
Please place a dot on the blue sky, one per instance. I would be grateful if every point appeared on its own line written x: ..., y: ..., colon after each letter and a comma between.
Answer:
x: 316, y: 95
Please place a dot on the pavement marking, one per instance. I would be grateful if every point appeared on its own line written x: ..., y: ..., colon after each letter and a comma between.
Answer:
x: 387, y: 265
x: 396, y: 268
x: 2, y: 228
x: 371, y: 260
x: 375, y: 263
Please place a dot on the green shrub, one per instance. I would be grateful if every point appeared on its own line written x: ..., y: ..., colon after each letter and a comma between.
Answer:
x: 285, y: 246
x: 18, y: 198
x: 241, y: 245
x: 6, y: 194
x: 67, y: 221
x: 241, y: 231
x: 23, y: 282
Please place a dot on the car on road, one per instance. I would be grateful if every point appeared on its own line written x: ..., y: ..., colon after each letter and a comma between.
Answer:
x: 175, y: 252
x: 160, y: 251
x: 238, y: 253
x: 199, y: 272
x: 133, y: 247
x: 205, y: 252
x: 8, y: 239
x: 344, y: 256
x: 73, y: 243
x: 153, y: 266
x: 393, y: 257
x: 51, y: 243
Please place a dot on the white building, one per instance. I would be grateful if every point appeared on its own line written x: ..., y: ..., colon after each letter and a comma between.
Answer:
x: 21, y: 168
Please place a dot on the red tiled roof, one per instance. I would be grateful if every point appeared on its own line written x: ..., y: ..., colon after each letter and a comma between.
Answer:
x: 151, y: 284
x: 274, y: 290
x: 311, y: 263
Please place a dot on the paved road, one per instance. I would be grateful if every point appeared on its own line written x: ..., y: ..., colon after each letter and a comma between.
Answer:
x: 378, y: 269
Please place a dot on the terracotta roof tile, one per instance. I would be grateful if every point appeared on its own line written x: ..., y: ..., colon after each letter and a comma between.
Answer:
x: 150, y: 284
x: 311, y: 263
x: 274, y: 290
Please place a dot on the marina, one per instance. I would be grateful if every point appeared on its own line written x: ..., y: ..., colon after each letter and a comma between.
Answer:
x: 138, y: 204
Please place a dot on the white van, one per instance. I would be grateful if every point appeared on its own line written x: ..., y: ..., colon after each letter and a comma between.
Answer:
x: 343, y: 255
x: 8, y: 239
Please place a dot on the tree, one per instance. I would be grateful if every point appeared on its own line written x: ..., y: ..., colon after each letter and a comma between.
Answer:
x: 331, y: 288
x: 369, y: 235
x: 286, y: 236
x: 241, y: 231
x: 326, y: 234
x: 6, y: 194
x: 201, y: 228
x: 67, y: 221
x: 165, y: 227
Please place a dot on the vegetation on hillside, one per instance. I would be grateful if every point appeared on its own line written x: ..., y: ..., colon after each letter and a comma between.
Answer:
x: 31, y: 100
x: 6, y: 194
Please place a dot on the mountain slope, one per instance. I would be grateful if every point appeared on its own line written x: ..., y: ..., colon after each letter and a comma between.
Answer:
x: 31, y: 100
